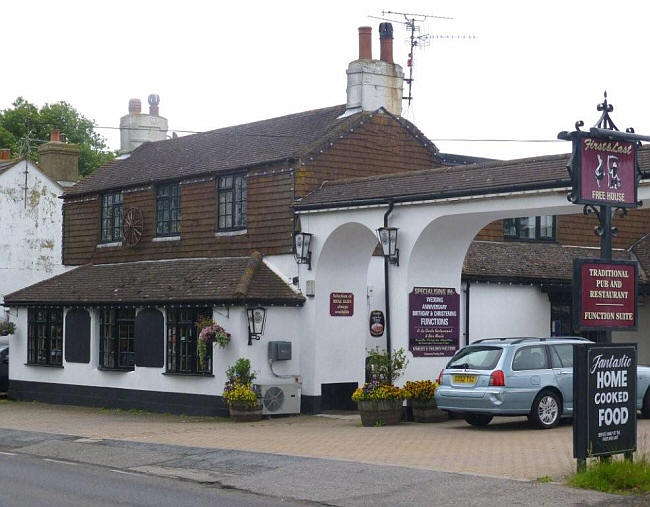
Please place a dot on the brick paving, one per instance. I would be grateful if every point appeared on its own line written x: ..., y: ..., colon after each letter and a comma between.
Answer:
x: 506, y: 448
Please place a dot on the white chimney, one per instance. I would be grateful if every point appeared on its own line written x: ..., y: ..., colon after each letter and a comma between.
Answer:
x: 375, y: 83
x: 137, y: 128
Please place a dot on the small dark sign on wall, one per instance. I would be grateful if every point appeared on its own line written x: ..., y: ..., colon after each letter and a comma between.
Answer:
x: 604, y: 172
x: 605, y: 294
x: 434, y: 321
x: 604, y: 390
x: 341, y: 304
x: 377, y: 323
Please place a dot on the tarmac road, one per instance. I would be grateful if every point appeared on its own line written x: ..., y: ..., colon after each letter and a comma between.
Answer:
x: 27, y: 481
x: 49, y: 469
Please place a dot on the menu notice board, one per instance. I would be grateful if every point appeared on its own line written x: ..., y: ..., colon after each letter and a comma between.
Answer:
x: 604, y: 390
x: 341, y: 304
x: 434, y: 328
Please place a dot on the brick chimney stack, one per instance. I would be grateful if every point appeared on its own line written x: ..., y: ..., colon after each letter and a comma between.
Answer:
x: 386, y: 42
x: 59, y: 160
x: 365, y: 43
x: 375, y: 83
x: 137, y: 128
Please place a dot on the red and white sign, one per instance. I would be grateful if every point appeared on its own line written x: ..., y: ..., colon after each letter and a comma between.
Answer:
x: 607, y: 295
x: 607, y: 172
x: 341, y: 304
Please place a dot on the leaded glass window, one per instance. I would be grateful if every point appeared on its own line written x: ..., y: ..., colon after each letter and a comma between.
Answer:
x: 168, y: 210
x: 45, y: 336
x: 182, y: 335
x: 117, y: 338
x: 232, y: 202
x: 112, y: 217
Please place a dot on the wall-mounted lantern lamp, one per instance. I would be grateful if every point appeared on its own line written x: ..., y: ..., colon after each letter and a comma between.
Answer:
x: 388, y: 239
x: 302, y: 242
x: 256, y: 320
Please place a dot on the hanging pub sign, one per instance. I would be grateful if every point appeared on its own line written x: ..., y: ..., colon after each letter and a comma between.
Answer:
x: 434, y: 321
x: 604, y: 393
x: 604, y: 171
x: 341, y: 304
x: 377, y: 323
x: 604, y: 295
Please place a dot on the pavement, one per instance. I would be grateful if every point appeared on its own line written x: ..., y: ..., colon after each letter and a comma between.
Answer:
x: 329, y: 459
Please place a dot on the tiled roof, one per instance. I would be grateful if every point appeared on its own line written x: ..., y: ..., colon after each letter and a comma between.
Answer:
x: 526, y: 261
x: 235, y: 280
x: 475, y: 179
x: 228, y: 149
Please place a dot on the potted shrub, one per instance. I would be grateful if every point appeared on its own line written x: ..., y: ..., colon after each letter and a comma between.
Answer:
x: 422, y: 401
x: 243, y: 401
x: 379, y: 401
x: 7, y: 328
x: 210, y: 333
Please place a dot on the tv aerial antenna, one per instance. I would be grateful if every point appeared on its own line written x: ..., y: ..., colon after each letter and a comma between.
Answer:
x: 412, y: 22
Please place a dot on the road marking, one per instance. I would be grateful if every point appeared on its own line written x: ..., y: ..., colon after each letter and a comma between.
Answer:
x: 8, y: 453
x: 59, y: 461
x: 122, y: 472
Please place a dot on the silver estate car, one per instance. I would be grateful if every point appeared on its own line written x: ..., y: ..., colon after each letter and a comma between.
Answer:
x: 518, y: 376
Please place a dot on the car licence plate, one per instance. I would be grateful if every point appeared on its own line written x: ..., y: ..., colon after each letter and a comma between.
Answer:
x: 464, y: 379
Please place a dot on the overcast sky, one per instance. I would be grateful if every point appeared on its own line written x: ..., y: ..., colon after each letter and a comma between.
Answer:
x: 533, y: 70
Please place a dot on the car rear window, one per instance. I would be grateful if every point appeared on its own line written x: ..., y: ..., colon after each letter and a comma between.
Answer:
x: 480, y: 357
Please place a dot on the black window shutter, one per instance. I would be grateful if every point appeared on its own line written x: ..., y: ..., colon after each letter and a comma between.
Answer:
x: 77, y: 336
x: 150, y: 338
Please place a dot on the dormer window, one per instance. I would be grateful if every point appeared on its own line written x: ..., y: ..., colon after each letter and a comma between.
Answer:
x: 168, y: 210
x: 112, y: 217
x: 232, y: 202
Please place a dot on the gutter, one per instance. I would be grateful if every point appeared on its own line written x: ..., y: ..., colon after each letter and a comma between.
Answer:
x: 557, y: 185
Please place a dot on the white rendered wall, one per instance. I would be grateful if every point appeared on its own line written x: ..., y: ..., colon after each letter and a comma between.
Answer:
x: 503, y: 310
x: 30, y: 229
x: 139, y: 128
x: 280, y: 325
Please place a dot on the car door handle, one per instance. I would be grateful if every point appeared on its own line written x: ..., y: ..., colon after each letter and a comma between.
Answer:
x: 564, y: 373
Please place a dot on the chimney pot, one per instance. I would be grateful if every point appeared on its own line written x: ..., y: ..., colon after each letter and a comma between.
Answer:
x: 5, y: 154
x: 386, y: 42
x: 55, y: 136
x: 153, y: 100
x: 365, y: 43
x: 135, y: 106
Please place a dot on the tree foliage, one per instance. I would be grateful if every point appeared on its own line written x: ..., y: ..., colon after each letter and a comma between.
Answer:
x: 26, y: 120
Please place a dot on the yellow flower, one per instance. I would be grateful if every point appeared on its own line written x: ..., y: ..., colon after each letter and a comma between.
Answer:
x: 421, y: 389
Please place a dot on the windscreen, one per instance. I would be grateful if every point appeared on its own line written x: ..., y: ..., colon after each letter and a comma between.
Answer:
x: 479, y: 357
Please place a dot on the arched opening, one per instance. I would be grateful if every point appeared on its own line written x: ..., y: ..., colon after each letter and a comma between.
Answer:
x: 341, y: 312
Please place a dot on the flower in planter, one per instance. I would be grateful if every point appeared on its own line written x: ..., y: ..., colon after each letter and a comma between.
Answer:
x: 421, y: 390
x: 7, y: 328
x: 210, y: 333
x: 375, y: 391
x: 240, y: 394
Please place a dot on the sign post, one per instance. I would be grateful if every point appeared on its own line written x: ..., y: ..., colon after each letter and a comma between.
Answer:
x: 604, y: 172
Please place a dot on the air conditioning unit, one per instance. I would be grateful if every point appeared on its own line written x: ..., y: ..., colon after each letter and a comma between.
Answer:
x: 280, y: 398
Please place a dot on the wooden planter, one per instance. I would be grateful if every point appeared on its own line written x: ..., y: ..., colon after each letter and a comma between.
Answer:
x: 380, y: 412
x: 427, y: 411
x: 241, y: 412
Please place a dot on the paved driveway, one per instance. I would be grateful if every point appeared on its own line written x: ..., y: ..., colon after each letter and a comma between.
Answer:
x: 505, y: 448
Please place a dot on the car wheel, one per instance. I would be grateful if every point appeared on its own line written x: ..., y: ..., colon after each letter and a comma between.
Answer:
x: 645, y: 408
x: 545, y: 412
x: 478, y: 419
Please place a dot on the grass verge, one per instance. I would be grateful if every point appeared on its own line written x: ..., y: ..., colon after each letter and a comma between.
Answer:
x: 615, y: 476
